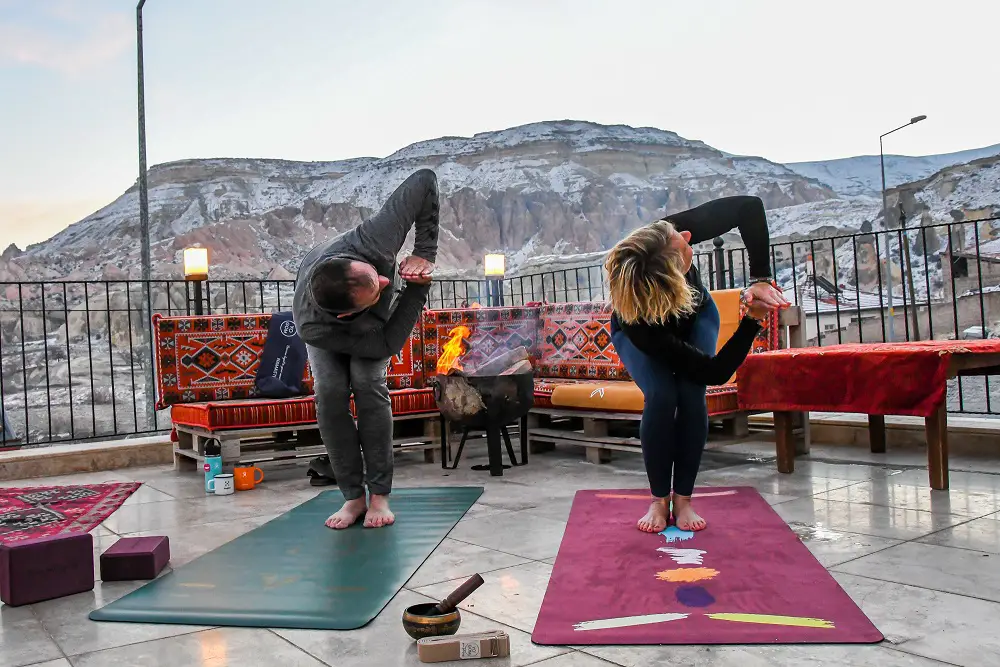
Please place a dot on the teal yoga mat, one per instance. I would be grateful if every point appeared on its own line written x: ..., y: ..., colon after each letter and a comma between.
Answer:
x: 294, y: 572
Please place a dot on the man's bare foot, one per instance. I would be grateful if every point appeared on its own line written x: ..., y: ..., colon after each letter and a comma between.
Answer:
x: 379, y: 514
x: 655, y: 520
x: 685, y: 517
x: 348, y: 514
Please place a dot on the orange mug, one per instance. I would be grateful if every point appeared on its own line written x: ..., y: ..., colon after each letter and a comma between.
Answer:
x: 246, y: 478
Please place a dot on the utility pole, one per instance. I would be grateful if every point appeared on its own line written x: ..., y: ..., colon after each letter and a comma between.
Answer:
x: 147, y: 320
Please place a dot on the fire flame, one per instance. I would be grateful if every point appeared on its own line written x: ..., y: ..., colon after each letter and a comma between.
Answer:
x: 452, y: 350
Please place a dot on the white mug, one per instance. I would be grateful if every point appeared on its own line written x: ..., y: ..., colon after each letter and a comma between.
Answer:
x: 221, y: 485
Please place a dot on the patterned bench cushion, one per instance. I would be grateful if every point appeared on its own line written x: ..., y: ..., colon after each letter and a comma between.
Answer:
x: 215, y: 358
x: 262, y: 413
x: 574, y: 341
x: 619, y: 396
x: 492, y: 329
x: 209, y: 358
x: 406, y: 369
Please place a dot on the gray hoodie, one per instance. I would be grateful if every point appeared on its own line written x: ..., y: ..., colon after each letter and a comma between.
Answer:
x: 380, y: 331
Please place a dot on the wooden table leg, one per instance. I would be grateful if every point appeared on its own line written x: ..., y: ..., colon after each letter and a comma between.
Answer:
x: 785, y: 440
x: 876, y: 433
x: 936, y: 426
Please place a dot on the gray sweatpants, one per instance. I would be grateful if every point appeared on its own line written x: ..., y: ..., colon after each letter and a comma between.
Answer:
x: 367, y: 447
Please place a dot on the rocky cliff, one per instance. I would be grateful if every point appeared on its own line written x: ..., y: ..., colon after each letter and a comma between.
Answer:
x: 542, y: 189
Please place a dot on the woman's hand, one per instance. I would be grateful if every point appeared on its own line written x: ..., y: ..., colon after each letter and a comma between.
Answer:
x: 765, y: 295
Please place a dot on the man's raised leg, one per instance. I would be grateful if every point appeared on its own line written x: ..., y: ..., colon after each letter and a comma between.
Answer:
x: 371, y: 399
x: 331, y: 373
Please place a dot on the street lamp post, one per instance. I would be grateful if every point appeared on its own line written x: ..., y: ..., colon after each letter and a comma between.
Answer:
x: 143, y: 185
x: 144, y: 219
x: 885, y: 221
x: 494, y: 268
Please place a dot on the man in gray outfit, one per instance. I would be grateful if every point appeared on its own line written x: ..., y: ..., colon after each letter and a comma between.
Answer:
x: 353, y: 314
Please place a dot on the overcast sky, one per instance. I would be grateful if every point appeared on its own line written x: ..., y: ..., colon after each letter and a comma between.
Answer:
x: 329, y: 79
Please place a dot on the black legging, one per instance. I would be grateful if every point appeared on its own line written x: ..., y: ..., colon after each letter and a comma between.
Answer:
x: 674, y: 425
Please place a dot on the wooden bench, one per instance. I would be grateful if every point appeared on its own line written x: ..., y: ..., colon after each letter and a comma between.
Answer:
x: 905, y: 379
x: 416, y: 431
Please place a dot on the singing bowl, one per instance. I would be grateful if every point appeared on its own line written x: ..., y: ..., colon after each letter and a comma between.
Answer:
x: 419, y: 623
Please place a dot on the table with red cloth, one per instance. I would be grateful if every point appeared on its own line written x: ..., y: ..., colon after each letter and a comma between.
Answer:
x: 879, y: 379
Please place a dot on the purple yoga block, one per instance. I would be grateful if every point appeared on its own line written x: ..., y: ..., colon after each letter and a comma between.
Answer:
x: 46, y: 568
x: 134, y: 558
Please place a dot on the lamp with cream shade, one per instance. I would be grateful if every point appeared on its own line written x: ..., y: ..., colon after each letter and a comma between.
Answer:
x: 196, y: 263
x: 494, y: 266
x: 196, y: 271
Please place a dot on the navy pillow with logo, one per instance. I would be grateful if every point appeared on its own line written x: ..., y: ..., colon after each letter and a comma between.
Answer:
x: 283, y: 361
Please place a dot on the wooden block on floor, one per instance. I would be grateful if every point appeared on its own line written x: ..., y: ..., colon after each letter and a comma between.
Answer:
x: 46, y: 568
x: 135, y: 558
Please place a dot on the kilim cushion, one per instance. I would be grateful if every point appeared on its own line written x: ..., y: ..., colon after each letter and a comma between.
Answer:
x: 491, y: 329
x: 209, y: 358
x: 574, y: 341
x: 246, y: 413
x: 406, y: 369
x: 215, y: 358
x: 722, y: 400
x: 261, y: 413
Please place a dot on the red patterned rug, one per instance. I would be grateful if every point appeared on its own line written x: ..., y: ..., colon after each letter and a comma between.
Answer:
x: 40, y: 511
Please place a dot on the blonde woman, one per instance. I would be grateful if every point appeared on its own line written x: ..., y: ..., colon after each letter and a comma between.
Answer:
x: 665, y: 328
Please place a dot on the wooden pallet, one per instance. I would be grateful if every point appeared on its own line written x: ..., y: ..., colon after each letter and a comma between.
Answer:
x: 594, y: 431
x: 421, y: 432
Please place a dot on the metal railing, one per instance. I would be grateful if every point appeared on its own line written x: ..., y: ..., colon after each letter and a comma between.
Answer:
x: 77, y: 360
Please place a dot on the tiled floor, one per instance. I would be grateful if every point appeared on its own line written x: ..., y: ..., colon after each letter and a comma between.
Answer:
x: 925, y: 567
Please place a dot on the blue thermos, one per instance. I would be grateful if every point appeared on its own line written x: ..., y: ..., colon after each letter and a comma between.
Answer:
x: 213, y: 462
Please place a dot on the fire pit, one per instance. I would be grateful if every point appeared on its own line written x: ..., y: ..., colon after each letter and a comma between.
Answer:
x: 490, y: 396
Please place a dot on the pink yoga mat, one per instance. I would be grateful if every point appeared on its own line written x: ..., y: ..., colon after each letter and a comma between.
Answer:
x: 746, y: 579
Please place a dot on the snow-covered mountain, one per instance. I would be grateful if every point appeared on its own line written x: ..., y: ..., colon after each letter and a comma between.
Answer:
x: 863, y: 175
x: 541, y: 193
x: 545, y: 188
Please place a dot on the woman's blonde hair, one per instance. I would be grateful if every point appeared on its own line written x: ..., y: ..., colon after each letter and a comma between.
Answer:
x: 647, y: 278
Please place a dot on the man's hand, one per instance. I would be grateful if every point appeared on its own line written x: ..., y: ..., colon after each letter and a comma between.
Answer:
x: 765, y: 295
x: 416, y: 270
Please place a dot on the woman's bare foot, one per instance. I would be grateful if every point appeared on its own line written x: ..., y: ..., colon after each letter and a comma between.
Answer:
x: 685, y: 517
x: 348, y: 514
x: 379, y: 514
x: 655, y: 520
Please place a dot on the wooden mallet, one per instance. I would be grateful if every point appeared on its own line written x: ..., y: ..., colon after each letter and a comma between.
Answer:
x: 458, y: 595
